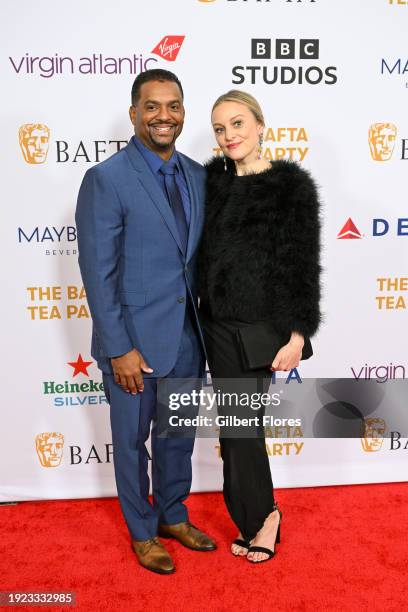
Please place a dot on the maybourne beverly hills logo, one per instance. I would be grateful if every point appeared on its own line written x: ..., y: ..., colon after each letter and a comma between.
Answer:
x: 82, y: 390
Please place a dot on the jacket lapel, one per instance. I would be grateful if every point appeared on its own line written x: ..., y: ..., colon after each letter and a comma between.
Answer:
x: 194, y: 205
x: 152, y: 188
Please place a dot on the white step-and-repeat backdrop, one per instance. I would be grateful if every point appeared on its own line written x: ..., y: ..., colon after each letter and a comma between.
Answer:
x: 332, y: 78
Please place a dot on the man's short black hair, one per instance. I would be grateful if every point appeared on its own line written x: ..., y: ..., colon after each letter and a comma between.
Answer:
x: 155, y: 74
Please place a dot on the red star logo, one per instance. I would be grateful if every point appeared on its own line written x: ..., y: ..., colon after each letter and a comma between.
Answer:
x: 80, y: 366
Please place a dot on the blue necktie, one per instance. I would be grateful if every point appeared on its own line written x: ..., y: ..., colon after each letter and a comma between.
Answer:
x: 169, y: 171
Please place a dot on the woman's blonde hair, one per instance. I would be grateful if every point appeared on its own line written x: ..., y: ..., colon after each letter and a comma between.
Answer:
x: 242, y: 97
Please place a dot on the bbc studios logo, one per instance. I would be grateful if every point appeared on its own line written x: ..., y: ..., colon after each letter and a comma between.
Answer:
x: 285, y: 61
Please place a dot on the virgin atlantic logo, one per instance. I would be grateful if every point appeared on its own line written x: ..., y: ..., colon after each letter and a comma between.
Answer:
x: 169, y: 47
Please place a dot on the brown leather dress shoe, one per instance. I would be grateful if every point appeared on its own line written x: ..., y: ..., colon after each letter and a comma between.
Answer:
x: 188, y: 535
x: 153, y: 556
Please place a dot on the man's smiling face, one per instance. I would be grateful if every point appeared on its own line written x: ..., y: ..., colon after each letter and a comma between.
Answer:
x: 158, y: 116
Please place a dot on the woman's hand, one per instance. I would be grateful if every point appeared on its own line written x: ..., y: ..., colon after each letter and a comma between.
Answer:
x: 288, y: 357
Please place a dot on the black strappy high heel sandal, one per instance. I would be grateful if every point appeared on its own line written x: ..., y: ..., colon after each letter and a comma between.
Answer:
x: 262, y: 549
x: 243, y: 544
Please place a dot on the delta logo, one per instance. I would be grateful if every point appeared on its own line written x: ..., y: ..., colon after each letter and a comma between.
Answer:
x: 380, y: 227
x: 75, y: 392
x: 349, y: 231
x: 168, y: 48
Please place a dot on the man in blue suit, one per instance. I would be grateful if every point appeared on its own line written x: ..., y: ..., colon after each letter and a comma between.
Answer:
x: 139, y: 218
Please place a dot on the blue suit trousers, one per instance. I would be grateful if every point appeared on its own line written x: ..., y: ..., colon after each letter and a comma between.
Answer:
x: 132, y: 416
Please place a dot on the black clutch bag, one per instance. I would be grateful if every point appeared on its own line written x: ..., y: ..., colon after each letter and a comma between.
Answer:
x: 259, y: 343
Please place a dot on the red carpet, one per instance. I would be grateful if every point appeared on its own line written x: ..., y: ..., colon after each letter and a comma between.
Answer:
x: 342, y: 548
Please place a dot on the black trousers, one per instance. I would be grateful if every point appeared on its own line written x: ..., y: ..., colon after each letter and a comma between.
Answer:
x: 248, y: 487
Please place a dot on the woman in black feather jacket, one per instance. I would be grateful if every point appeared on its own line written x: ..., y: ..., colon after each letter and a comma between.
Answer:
x: 258, y: 261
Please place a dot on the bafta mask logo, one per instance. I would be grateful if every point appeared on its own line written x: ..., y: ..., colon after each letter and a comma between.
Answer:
x: 372, y: 434
x: 381, y: 138
x: 49, y: 448
x: 34, y: 140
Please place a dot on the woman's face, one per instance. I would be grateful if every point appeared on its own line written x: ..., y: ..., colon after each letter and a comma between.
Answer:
x: 237, y: 131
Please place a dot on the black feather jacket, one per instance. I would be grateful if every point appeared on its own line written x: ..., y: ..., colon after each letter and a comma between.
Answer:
x: 259, y: 256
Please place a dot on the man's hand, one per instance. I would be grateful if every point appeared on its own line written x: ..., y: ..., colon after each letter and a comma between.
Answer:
x: 127, y: 370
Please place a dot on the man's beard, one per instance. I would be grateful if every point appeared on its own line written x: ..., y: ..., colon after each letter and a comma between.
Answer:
x: 164, y: 145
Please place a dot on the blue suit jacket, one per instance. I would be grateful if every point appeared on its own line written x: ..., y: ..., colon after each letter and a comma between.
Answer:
x: 136, y: 278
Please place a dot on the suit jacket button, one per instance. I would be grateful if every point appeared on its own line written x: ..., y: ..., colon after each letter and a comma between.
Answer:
x: 180, y: 300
